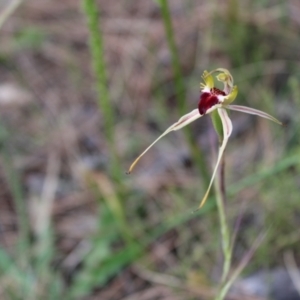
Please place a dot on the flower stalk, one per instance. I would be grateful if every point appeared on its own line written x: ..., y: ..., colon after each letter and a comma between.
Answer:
x: 225, y: 233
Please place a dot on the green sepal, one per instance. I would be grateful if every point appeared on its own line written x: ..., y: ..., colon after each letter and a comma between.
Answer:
x: 217, y: 122
x: 231, y: 96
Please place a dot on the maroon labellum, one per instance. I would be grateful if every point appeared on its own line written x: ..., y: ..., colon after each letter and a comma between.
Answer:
x: 208, y: 100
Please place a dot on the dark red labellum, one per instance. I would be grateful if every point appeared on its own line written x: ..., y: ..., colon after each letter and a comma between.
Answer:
x: 206, y: 101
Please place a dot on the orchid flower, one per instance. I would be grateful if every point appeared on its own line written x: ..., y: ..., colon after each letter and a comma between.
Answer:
x: 212, y: 99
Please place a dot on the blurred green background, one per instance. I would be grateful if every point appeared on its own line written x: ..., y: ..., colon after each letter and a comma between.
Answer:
x: 85, y: 87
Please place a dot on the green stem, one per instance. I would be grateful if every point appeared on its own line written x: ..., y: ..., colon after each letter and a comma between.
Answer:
x: 225, y: 234
x: 179, y: 83
x: 245, y: 261
x: 96, y: 43
x: 14, y: 182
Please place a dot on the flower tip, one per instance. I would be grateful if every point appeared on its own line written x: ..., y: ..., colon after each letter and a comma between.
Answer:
x: 203, y: 200
x: 280, y: 123
x: 134, y: 164
x: 131, y: 168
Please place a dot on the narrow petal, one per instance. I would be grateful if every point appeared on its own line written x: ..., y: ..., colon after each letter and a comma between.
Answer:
x: 227, y: 129
x: 183, y: 121
x: 252, y: 111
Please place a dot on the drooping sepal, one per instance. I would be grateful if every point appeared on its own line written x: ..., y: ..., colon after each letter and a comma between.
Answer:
x: 253, y: 111
x: 183, y: 121
x: 227, y: 129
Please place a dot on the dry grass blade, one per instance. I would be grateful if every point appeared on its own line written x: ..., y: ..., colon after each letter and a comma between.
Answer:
x: 171, y: 281
x: 41, y: 209
x: 174, y: 282
x: 157, y: 292
x: 225, y: 288
x: 9, y: 10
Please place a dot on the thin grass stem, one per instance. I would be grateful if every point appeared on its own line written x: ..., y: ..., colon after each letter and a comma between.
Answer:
x: 180, y: 88
x: 96, y: 43
x: 9, y: 10
x: 14, y: 182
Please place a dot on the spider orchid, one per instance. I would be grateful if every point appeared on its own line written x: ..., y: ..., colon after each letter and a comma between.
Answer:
x: 212, y: 99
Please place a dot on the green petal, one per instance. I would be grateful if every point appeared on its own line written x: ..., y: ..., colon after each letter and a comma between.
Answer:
x: 208, y: 79
x: 231, y: 96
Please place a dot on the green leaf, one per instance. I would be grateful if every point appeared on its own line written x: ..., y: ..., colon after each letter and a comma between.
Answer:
x: 102, y: 270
